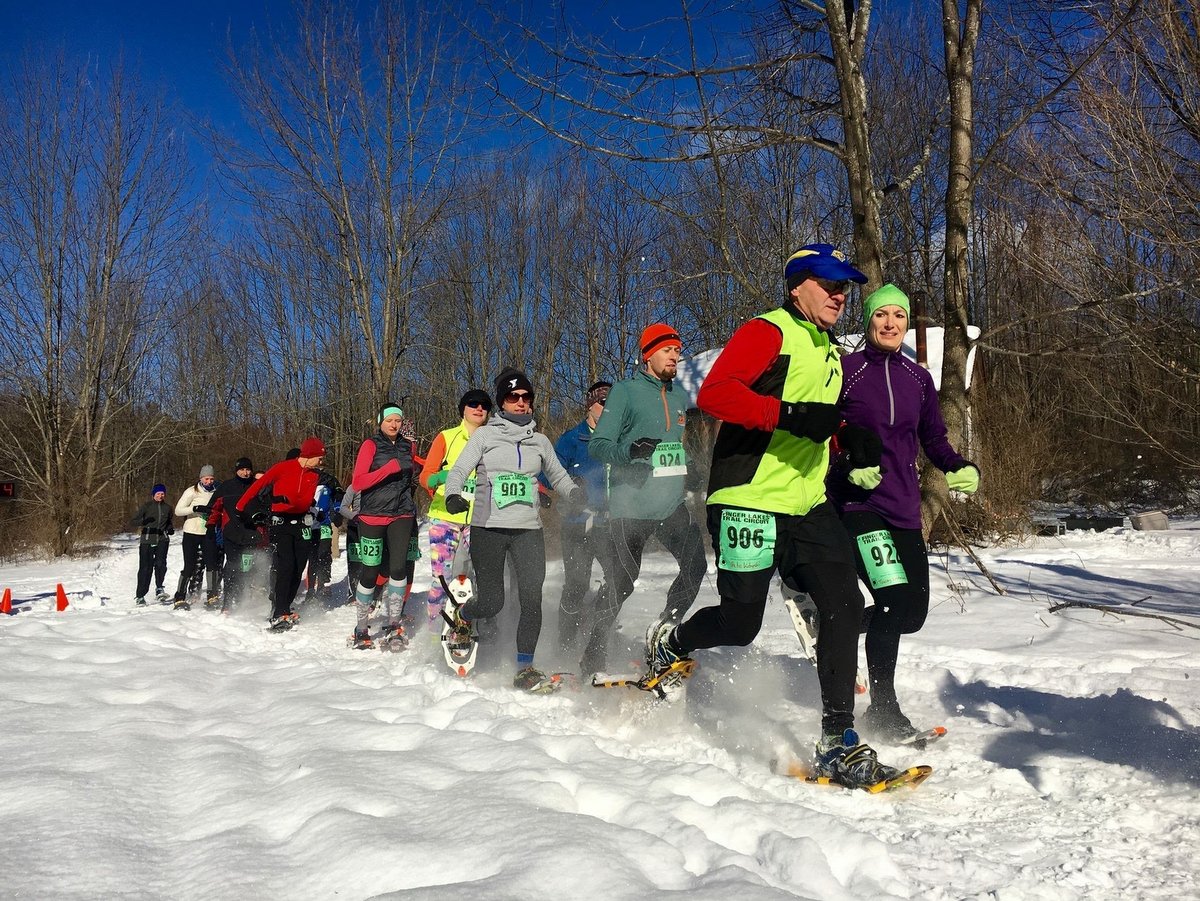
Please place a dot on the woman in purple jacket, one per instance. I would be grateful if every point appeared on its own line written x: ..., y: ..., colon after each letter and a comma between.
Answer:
x: 874, y: 485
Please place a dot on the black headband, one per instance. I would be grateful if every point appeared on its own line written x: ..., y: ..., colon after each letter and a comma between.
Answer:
x: 657, y: 340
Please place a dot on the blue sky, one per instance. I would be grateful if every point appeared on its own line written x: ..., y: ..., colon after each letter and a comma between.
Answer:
x: 179, y: 45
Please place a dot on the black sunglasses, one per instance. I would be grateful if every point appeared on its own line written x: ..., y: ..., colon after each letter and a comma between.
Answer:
x: 829, y: 286
x: 513, y: 396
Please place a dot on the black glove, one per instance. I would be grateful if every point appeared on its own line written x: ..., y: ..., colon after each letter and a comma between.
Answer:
x: 577, y: 498
x: 170, y: 530
x: 642, y: 448
x: 200, y: 508
x: 456, y: 503
x: 544, y: 499
x: 862, y: 444
x: 814, y: 421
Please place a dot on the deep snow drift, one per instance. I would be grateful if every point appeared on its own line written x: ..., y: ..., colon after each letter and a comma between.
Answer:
x: 150, y: 753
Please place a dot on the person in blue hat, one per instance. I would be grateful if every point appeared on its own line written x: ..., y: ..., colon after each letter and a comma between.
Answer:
x: 775, y: 389
x: 153, y: 518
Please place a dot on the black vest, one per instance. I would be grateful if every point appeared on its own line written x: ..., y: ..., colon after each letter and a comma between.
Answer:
x: 394, y: 495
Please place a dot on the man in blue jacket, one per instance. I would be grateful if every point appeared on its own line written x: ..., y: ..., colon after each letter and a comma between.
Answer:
x: 584, y: 534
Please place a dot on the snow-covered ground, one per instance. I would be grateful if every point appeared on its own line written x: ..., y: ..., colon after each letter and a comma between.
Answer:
x: 149, y: 753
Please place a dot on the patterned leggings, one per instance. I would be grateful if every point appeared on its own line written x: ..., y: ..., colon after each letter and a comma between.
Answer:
x: 444, y: 539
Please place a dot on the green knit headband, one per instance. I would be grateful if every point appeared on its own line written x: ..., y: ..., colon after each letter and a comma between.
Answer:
x: 888, y: 295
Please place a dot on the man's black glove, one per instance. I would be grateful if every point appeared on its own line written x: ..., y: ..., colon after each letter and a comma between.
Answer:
x: 577, y: 498
x: 456, y: 503
x: 642, y: 448
x: 861, y: 444
x: 544, y: 500
x: 814, y: 421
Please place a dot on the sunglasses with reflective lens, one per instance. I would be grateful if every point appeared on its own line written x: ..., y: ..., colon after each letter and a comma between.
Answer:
x: 513, y: 396
x: 479, y: 404
x: 829, y: 286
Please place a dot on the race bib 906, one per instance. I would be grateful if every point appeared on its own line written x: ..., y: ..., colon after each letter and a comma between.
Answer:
x: 747, y: 540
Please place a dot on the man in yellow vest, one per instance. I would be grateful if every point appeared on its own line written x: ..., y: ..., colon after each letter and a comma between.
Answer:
x: 775, y: 388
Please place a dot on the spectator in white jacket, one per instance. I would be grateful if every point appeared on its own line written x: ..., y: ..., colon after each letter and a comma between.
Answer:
x: 199, y: 542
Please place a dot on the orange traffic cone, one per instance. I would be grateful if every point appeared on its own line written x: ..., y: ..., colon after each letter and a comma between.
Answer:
x: 6, y: 604
x: 62, y: 598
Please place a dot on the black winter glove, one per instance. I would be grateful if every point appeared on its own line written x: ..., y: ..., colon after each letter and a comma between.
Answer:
x: 814, y: 421
x: 200, y: 508
x: 642, y: 448
x: 862, y: 444
x: 544, y: 500
x: 170, y: 530
x: 456, y: 503
x: 577, y: 498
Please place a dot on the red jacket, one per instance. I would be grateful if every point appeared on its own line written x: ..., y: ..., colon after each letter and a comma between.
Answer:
x: 292, y: 488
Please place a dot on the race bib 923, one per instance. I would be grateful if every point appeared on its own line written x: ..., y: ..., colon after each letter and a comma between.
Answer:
x: 879, y: 556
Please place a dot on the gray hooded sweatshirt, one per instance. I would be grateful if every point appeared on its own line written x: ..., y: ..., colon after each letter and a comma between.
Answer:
x: 507, y: 458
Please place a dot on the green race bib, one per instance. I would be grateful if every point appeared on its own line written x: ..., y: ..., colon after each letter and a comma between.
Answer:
x: 306, y: 534
x: 669, y: 459
x: 510, y: 488
x: 414, y: 548
x: 370, y: 551
x: 747, y: 541
x: 247, y: 562
x: 326, y: 532
x: 884, y: 568
x: 352, y: 552
x: 468, y: 491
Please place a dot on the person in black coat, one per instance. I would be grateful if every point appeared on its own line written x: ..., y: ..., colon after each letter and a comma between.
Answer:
x: 238, y: 541
x: 154, y: 520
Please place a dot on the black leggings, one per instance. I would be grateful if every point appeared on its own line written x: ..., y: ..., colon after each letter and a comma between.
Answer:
x: 683, y: 540
x: 526, y: 549
x: 899, y: 609
x: 813, y: 553
x: 290, y: 547
x: 197, y: 549
x: 393, y: 537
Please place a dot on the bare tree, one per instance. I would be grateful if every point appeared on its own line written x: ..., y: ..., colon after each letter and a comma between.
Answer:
x: 354, y: 162
x: 95, y: 231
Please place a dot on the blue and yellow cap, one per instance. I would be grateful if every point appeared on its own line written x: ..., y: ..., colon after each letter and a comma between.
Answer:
x: 821, y: 261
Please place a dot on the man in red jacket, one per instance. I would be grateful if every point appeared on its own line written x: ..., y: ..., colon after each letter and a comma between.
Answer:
x: 293, y: 487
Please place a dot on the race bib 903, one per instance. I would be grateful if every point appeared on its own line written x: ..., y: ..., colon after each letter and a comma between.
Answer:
x: 510, y: 488
x: 747, y: 540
